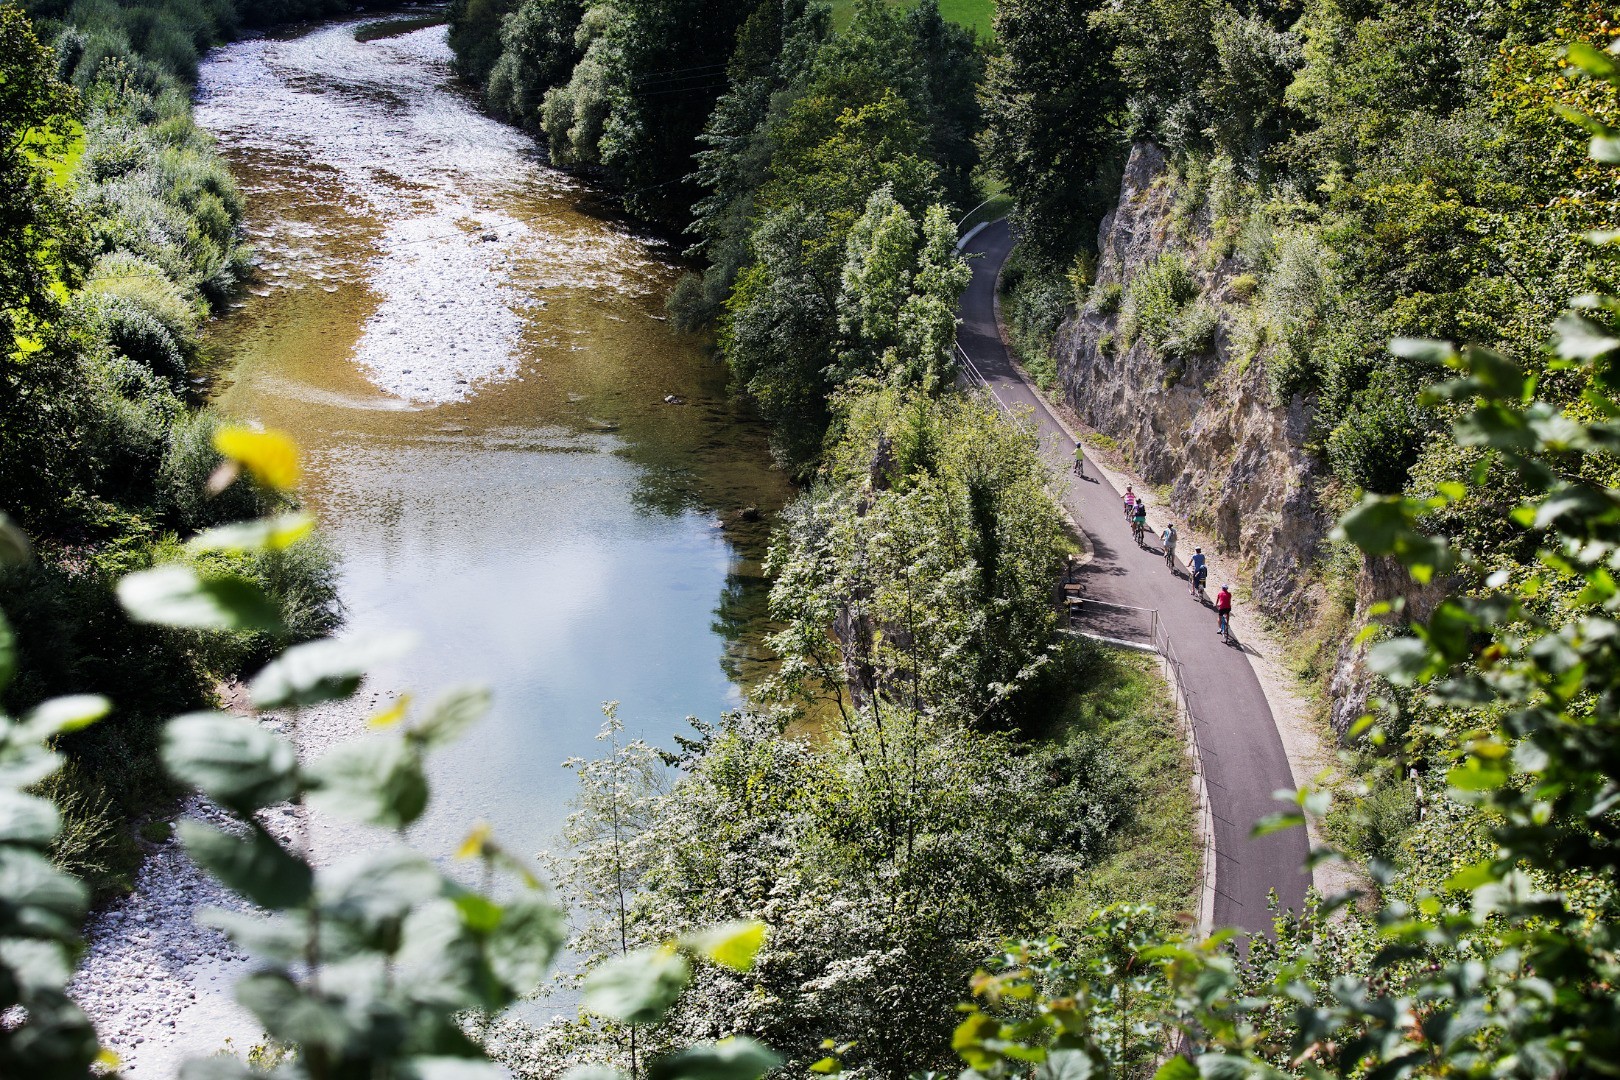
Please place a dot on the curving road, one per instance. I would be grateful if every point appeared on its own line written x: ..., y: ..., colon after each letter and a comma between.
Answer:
x: 1243, y: 757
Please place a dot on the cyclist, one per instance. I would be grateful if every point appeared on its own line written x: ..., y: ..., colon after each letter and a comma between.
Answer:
x: 1130, y: 502
x: 1223, y: 612
x: 1139, y: 521
x: 1168, y: 539
x: 1200, y: 571
x: 1079, y: 461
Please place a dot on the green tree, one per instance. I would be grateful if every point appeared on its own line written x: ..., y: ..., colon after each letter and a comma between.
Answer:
x: 953, y: 67
x: 1207, y: 74
x: 775, y: 49
x: 640, y: 94
x: 882, y: 252
x: 926, y: 355
x: 476, y: 39
x: 886, y: 857
x: 897, y: 305
x: 41, y: 258
x: 611, y: 852
x: 919, y: 575
x: 537, y: 50
x: 1052, y: 119
x: 780, y: 332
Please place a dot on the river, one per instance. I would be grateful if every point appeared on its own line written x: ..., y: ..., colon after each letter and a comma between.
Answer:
x: 514, y: 455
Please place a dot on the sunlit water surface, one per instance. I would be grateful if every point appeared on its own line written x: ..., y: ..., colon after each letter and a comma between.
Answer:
x: 512, y: 452
x: 477, y: 368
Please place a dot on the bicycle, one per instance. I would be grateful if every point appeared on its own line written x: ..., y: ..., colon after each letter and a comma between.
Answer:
x: 1199, y: 577
x: 1137, y: 528
x: 1225, y: 618
x: 1170, y: 561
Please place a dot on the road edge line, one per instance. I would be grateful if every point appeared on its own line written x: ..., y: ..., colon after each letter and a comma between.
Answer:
x: 1206, y: 814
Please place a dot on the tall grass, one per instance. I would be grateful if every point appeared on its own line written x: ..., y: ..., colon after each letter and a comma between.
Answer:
x: 1119, y: 702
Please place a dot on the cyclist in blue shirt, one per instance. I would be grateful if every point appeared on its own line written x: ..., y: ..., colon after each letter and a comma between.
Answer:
x: 1200, y: 571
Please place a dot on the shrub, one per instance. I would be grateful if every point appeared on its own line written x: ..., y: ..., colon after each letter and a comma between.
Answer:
x: 126, y: 430
x: 1105, y: 299
x: 134, y: 331
x: 1189, y: 179
x: 1256, y: 242
x: 1379, y: 439
x: 1243, y: 286
x: 182, y: 479
x: 1036, y: 300
x: 303, y: 579
x: 140, y: 283
x: 1194, y: 332
x: 1082, y: 274
x: 1154, y: 304
x: 93, y: 845
x: 1374, y: 824
x: 1298, y: 291
x: 1249, y: 334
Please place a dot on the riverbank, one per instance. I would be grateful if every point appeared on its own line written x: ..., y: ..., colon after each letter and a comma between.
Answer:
x: 131, y: 221
x: 507, y: 446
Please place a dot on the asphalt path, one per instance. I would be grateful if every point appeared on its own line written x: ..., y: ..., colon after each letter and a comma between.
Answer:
x: 1243, y: 757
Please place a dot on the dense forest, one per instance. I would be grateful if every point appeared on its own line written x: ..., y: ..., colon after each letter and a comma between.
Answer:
x: 1338, y: 176
x: 817, y: 180
x: 1408, y: 211
x: 1347, y: 174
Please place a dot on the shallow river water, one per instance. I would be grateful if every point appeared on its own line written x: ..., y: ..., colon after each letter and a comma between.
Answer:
x: 477, y: 368
x: 513, y: 453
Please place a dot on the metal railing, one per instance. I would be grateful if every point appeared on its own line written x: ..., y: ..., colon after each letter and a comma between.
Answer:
x: 1192, y: 727
x: 1003, y: 204
x: 975, y: 378
x: 1158, y: 641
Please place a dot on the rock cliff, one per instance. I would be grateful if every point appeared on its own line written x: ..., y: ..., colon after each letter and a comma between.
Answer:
x: 1207, y: 427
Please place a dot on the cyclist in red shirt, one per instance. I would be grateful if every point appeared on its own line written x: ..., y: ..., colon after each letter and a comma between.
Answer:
x: 1223, y: 611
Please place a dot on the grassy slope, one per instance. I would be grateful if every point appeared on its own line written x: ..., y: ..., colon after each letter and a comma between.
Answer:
x: 971, y: 13
x: 1122, y: 697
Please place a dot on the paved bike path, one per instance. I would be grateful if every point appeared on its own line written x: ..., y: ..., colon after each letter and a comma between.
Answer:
x: 1243, y: 756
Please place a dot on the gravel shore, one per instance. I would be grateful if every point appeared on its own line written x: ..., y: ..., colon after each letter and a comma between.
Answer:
x: 155, y: 982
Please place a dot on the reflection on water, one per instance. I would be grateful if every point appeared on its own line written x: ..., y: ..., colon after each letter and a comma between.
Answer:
x: 512, y: 451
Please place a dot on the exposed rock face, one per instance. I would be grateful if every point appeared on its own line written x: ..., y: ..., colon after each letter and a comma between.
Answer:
x: 1352, y: 683
x: 1209, y: 428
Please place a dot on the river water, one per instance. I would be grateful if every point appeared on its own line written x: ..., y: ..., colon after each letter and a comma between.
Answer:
x: 513, y: 453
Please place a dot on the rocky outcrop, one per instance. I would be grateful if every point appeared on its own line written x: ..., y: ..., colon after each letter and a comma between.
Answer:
x: 1208, y: 427
x: 1351, y: 684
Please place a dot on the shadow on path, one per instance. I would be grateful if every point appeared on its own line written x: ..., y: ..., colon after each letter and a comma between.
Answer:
x: 1244, y: 760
